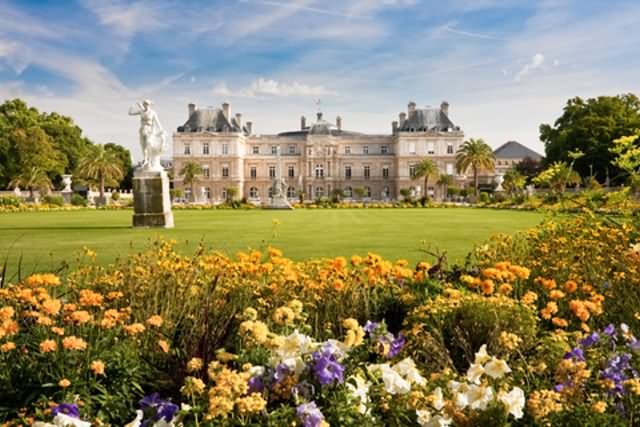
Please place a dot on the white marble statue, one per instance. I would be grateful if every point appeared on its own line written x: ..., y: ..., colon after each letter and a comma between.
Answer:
x: 152, y: 136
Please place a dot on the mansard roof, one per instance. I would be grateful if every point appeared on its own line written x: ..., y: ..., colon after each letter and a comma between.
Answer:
x: 320, y: 127
x: 515, y: 150
x: 425, y: 119
x: 210, y: 120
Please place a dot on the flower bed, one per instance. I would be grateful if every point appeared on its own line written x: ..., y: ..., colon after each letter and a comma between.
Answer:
x: 536, y: 329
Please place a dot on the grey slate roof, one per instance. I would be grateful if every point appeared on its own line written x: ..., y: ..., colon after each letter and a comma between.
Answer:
x: 424, y: 119
x: 515, y: 150
x: 210, y: 120
x: 320, y: 127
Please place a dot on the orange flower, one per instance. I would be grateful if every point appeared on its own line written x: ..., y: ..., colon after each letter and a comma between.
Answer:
x: 338, y: 285
x: 44, y: 321
x: 6, y: 313
x: 74, y: 343
x: 81, y: 317
x: 570, y: 286
x: 45, y: 279
x: 8, y: 328
x: 64, y: 383
x: 51, y: 306
x: 487, y: 287
x: 97, y: 367
x: 164, y: 346
x: 505, y: 288
x: 559, y: 322
x: 89, y: 298
x: 58, y: 331
x: 48, y: 346
x: 556, y: 294
x: 529, y: 297
x: 69, y: 307
x: 134, y: 329
x: 114, y: 295
x: 155, y: 321
x: 7, y: 347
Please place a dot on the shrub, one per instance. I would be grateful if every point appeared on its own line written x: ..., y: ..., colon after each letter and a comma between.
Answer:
x: 484, y: 197
x: 78, y: 200
x: 53, y: 200
x: 115, y: 196
x: 10, y: 201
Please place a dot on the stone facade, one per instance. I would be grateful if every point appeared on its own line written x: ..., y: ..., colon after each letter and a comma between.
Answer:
x: 317, y: 159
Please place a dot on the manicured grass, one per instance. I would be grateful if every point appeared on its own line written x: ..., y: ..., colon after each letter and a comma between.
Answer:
x: 44, y: 240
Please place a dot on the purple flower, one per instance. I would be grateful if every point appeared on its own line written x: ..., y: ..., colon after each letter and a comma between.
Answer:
x: 309, y: 414
x: 256, y: 385
x: 590, y: 340
x: 163, y: 408
x: 70, y: 409
x: 558, y: 388
x: 396, y: 346
x: 609, y: 330
x: 281, y: 372
x: 576, y: 353
x: 370, y: 326
x: 326, y: 369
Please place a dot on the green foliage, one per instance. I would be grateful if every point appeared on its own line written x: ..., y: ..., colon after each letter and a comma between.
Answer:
x: 53, y: 200
x: 115, y: 196
x: 557, y: 177
x: 514, y: 181
x: 125, y: 160
x: 33, y: 178
x: 484, y: 197
x: 10, y: 201
x: 101, y: 165
x: 475, y: 154
x: 590, y: 126
x: 426, y: 169
x: 78, y: 200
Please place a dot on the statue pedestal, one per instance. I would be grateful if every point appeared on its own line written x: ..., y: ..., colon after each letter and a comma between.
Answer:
x: 279, y: 203
x: 66, y: 196
x: 151, y: 199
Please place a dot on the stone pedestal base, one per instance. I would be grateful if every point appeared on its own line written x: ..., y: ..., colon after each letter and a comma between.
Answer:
x: 279, y: 203
x: 151, y: 199
x: 66, y: 196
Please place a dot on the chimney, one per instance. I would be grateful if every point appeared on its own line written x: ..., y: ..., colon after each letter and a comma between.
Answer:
x: 239, y: 120
x: 339, y: 122
x: 192, y: 109
x: 403, y: 118
x: 319, y: 116
x: 303, y: 123
x: 249, y: 127
x: 444, y: 107
x: 394, y: 127
x: 411, y: 108
x: 225, y: 110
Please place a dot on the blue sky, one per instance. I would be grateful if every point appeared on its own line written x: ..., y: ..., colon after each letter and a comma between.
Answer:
x: 505, y: 66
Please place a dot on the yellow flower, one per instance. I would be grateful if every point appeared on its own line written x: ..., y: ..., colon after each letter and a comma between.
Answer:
x: 251, y: 404
x: 7, y: 347
x: 164, y: 346
x: 97, y: 367
x: 134, y: 329
x: 58, y: 331
x: 81, y: 317
x: 6, y: 313
x: 45, y: 279
x: 48, y: 346
x: 64, y: 383
x: 51, y: 306
x: 192, y: 386
x: 74, y: 343
x: 195, y: 364
x: 599, y: 407
x: 350, y: 323
x: 283, y: 316
x: 90, y: 299
x: 155, y: 321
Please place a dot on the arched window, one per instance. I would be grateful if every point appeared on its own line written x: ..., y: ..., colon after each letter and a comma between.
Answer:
x: 291, y: 192
x: 367, y: 191
x: 348, y: 192
x: 253, y: 192
x: 319, y: 192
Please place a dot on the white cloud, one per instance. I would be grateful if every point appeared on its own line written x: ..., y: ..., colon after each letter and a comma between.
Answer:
x: 272, y: 88
x: 361, y: 7
x: 127, y: 19
x: 536, y: 62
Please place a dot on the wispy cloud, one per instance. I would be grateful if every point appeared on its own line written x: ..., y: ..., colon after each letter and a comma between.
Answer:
x: 127, y: 18
x: 272, y: 88
x: 536, y: 62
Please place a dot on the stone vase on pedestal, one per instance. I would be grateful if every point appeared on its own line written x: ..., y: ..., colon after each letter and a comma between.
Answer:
x: 151, y: 200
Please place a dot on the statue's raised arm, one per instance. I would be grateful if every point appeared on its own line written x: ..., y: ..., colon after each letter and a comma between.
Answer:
x: 135, y: 109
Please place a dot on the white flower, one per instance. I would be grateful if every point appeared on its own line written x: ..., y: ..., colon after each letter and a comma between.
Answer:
x: 496, y: 368
x: 424, y: 416
x: 479, y: 396
x: 359, y: 392
x: 43, y: 424
x: 64, y: 420
x: 438, y: 421
x: 296, y: 344
x: 474, y: 373
x: 136, y: 422
x: 393, y: 381
x: 257, y: 371
x: 459, y: 391
x: 514, y: 402
x: 482, y: 356
x: 407, y: 368
x: 438, y: 401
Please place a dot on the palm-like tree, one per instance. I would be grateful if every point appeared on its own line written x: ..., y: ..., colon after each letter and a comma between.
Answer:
x: 190, y: 172
x: 475, y: 154
x: 514, y: 181
x: 445, y: 182
x: 101, y: 165
x: 32, y: 179
x: 426, y: 169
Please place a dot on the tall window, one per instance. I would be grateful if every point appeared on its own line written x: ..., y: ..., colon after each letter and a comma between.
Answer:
x: 225, y: 149
x: 292, y: 149
x: 449, y: 168
x: 205, y: 148
x: 253, y: 193
x: 205, y: 171
x: 291, y: 192
x: 272, y: 171
x: 254, y: 172
x: 292, y: 171
x: 187, y: 149
x: 385, y: 193
x: 431, y: 148
x: 449, y: 148
x: 319, y: 171
x: 385, y: 171
x: 384, y: 149
x: 412, y: 148
x: 365, y: 149
x: 225, y: 171
x: 256, y: 149
x: 319, y: 192
x: 224, y: 194
x: 367, y: 191
x: 347, y: 172
x: 367, y: 172
x: 347, y: 149
x: 274, y: 149
x: 207, y: 193
x: 348, y: 192
x: 412, y: 171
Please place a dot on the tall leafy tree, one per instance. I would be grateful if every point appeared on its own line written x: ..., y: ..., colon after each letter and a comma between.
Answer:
x: 127, y: 164
x: 514, y: 181
x: 426, y: 169
x: 190, y: 173
x: 591, y: 126
x: 475, y: 154
x: 32, y: 179
x: 102, y: 166
x: 445, y: 181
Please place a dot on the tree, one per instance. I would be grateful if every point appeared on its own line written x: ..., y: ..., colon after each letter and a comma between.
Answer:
x: 426, y: 169
x: 475, y: 154
x: 529, y: 168
x: 32, y: 179
x: 101, y: 165
x: 360, y: 192
x: 590, y: 126
x: 190, y: 172
x: 232, y: 193
x: 33, y: 150
x: 127, y: 165
x: 514, y: 181
x: 445, y: 182
x: 557, y: 177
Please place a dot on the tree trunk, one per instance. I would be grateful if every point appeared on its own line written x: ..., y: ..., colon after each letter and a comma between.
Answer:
x: 475, y: 180
x: 193, y: 193
x: 101, y: 186
x: 426, y: 188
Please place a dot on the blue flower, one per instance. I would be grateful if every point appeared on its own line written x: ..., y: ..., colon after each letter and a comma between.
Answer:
x: 70, y: 409
x: 609, y: 330
x: 370, y: 326
x: 396, y: 346
x: 256, y: 385
x: 327, y: 369
x: 163, y: 408
x: 590, y: 340
x: 576, y: 353
x: 310, y: 415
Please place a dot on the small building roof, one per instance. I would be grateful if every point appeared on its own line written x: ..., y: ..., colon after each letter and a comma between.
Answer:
x: 425, y: 119
x: 210, y: 120
x: 320, y: 127
x: 515, y: 150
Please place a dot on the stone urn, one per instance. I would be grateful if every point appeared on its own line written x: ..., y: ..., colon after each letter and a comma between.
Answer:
x: 66, y: 191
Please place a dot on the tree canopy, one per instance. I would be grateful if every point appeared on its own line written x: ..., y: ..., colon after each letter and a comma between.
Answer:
x: 591, y: 126
x: 475, y: 154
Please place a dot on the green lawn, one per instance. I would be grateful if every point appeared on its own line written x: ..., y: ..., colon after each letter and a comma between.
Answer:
x: 42, y: 240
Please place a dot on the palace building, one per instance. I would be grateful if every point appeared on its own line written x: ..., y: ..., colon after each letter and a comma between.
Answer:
x: 317, y: 159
